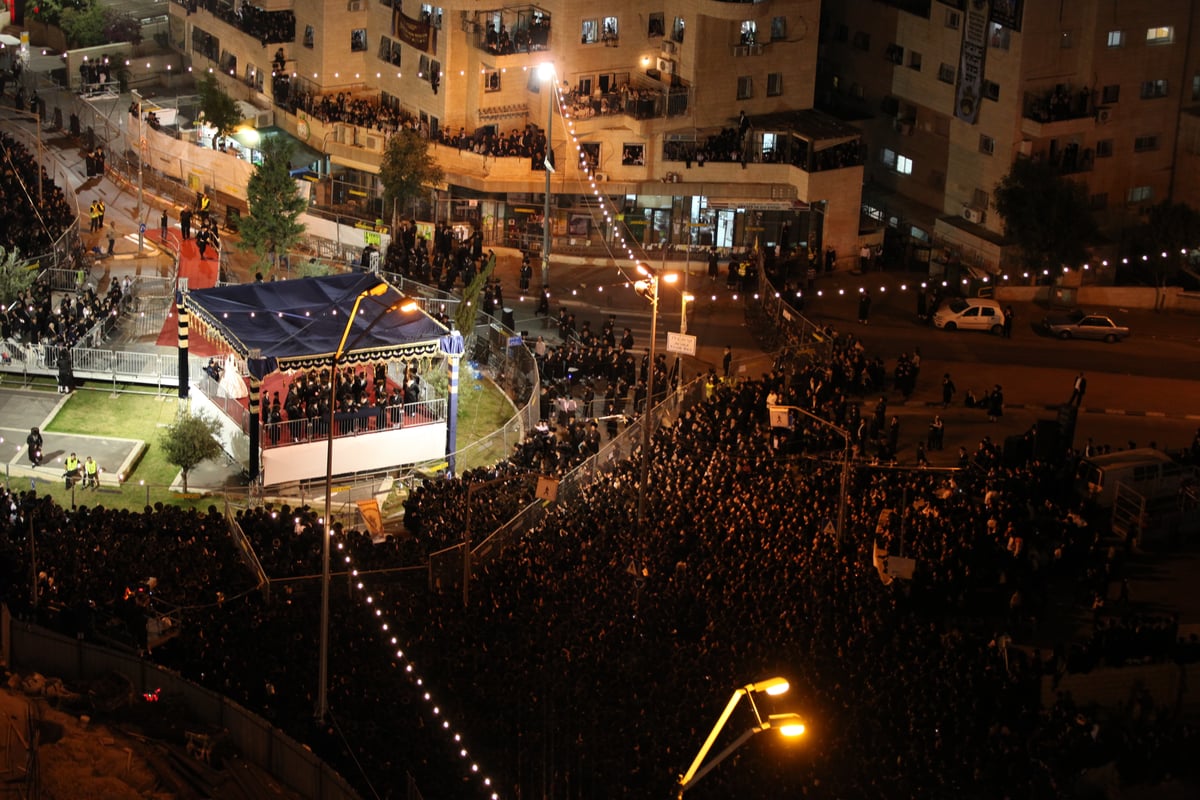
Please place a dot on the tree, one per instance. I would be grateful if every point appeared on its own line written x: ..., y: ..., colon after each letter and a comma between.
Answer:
x: 407, y: 166
x: 273, y: 226
x: 468, y: 310
x: 189, y: 441
x: 15, y: 275
x: 1047, y: 215
x: 1169, y: 228
x: 218, y: 108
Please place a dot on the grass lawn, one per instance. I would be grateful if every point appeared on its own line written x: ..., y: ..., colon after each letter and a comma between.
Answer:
x: 133, y: 414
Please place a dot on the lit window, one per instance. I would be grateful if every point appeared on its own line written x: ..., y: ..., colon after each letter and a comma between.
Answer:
x: 904, y: 165
x: 1141, y: 194
x: 611, y: 32
x: 888, y: 157
x: 749, y: 32
x: 1164, y: 35
x: 431, y: 14
x: 677, y: 29
x: 589, y: 32
x: 1116, y: 38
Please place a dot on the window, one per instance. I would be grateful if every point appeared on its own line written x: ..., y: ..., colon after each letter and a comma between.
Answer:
x: 1066, y: 39
x: 774, y: 84
x: 946, y: 73
x: 914, y: 60
x: 999, y: 37
x: 991, y: 90
x: 904, y: 165
x: 491, y: 79
x: 1144, y: 144
x: 1104, y: 148
x: 952, y: 19
x: 745, y: 89
x: 611, y: 32
x: 358, y: 40
x: 432, y: 15
x: 677, y: 29
x: 981, y: 199
x: 1110, y: 94
x: 778, y: 28
x: 888, y: 157
x: 1141, y: 194
x: 585, y: 86
x: 894, y: 53
x: 1164, y: 35
x: 589, y: 32
x: 1099, y: 201
x: 1196, y: 86
x: 1154, y: 89
x: 385, y: 49
x: 749, y: 32
x: 1116, y: 38
x: 987, y: 145
x: 862, y: 40
x: 657, y: 25
x: 308, y: 36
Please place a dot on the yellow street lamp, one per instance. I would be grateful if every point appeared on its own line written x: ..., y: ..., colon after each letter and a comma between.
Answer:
x: 788, y: 725
x: 649, y: 287
x: 404, y: 304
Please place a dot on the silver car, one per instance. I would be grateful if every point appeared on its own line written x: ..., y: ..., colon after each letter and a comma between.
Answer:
x: 1079, y: 324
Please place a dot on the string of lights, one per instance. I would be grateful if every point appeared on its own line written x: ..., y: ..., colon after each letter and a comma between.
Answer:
x: 454, y: 733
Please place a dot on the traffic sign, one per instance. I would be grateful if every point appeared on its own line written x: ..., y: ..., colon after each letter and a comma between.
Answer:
x: 682, y: 343
x: 515, y: 341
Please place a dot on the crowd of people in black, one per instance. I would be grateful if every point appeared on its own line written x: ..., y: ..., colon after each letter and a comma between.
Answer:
x: 595, y: 653
x: 33, y: 222
x: 35, y: 318
x: 266, y: 26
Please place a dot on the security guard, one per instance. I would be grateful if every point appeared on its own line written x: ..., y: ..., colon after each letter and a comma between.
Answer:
x: 91, y: 474
x: 72, y: 469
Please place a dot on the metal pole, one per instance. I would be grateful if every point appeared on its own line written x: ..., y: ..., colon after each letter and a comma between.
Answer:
x: 141, y: 145
x: 546, y: 206
x: 323, y: 671
x: 645, y: 478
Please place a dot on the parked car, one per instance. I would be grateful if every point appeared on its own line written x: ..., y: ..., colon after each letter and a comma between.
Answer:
x: 970, y: 314
x: 1079, y: 324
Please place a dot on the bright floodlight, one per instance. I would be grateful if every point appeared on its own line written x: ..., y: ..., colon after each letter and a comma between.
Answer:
x: 642, y: 269
x: 545, y: 71
x: 670, y: 277
x: 787, y: 724
x: 772, y: 686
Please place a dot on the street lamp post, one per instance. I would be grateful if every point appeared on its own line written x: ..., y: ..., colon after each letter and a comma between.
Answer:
x: 845, y: 434
x: 141, y: 157
x: 546, y: 75
x: 787, y: 724
x: 404, y: 304
x: 651, y: 286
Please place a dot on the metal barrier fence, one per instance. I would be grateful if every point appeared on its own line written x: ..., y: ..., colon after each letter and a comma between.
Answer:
x: 118, y: 366
x: 787, y: 327
x: 246, y: 550
x: 354, y: 423
x: 287, y: 760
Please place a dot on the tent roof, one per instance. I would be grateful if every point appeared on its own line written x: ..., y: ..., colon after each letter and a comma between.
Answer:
x: 297, y: 324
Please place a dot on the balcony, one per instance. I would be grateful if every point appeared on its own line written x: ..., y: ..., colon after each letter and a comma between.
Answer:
x: 1057, y: 112
x: 269, y: 27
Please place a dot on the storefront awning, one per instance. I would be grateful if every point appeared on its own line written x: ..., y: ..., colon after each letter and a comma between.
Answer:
x: 757, y: 204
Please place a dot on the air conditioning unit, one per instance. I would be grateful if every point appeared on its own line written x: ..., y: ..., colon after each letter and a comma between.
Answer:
x: 373, y: 143
x: 356, y: 5
x: 668, y: 48
x: 600, y: 177
x: 1103, y: 115
x: 976, y: 215
x: 666, y: 66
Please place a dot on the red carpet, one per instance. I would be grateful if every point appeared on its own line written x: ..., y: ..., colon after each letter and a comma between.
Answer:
x: 199, y: 275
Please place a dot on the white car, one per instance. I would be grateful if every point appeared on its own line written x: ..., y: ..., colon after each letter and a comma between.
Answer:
x: 970, y: 314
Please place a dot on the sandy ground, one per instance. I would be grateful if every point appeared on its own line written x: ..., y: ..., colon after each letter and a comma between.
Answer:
x: 76, y: 758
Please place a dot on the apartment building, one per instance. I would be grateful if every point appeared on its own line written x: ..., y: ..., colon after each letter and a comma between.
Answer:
x: 652, y: 98
x: 948, y: 93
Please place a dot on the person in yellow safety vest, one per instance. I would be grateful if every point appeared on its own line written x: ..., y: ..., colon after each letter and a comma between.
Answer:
x: 94, y: 215
x: 71, y: 472
x: 91, y: 474
x: 205, y: 202
x: 100, y: 208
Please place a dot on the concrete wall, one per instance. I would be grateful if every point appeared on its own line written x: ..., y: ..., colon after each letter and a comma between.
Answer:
x: 1141, y: 297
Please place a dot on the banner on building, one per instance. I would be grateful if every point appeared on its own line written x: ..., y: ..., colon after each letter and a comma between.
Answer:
x: 372, y: 518
x: 416, y: 33
x: 968, y: 92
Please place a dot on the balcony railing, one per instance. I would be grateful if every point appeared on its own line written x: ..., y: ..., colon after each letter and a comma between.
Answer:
x: 1058, y: 104
x: 354, y: 423
x: 268, y: 27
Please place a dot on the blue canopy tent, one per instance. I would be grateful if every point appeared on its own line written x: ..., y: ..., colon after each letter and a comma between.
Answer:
x: 298, y: 324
